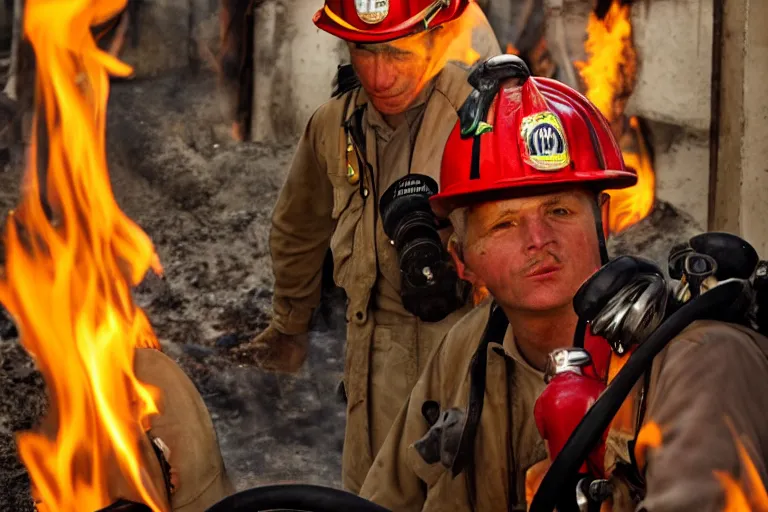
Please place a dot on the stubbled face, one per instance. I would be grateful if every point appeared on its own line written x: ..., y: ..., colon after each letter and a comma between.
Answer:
x: 532, y: 253
x: 391, y: 74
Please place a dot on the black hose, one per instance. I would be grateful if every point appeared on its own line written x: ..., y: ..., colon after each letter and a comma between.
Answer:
x: 714, y: 303
x: 302, y: 497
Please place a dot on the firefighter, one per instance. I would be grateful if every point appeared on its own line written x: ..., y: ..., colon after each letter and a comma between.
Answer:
x: 522, y: 186
x: 384, y: 121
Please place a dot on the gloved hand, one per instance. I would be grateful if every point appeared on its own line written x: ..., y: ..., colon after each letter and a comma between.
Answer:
x: 275, y: 351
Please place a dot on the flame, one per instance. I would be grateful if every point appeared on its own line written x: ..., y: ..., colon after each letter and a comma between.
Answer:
x: 479, y: 294
x: 609, y: 78
x: 71, y: 257
x: 649, y: 437
x: 451, y: 41
x: 750, y: 493
x: 747, y: 495
x: 629, y: 206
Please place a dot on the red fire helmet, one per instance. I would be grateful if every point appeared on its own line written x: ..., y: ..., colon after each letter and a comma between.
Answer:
x: 514, y: 139
x: 378, y: 21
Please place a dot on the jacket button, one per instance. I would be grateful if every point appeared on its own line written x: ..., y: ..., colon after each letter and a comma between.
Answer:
x: 359, y: 315
x: 365, y: 192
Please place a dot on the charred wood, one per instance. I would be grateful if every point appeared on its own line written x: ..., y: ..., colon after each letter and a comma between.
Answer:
x: 236, y: 62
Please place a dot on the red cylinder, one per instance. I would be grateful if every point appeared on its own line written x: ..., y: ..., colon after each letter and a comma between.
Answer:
x: 561, y: 407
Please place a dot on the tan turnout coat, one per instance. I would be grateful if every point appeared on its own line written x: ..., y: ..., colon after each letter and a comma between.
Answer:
x: 320, y: 206
x: 709, y: 386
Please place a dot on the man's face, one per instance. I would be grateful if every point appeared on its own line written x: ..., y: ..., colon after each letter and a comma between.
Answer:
x: 392, y: 74
x: 532, y: 253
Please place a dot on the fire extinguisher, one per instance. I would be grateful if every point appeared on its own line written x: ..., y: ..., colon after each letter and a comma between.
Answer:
x: 576, y: 377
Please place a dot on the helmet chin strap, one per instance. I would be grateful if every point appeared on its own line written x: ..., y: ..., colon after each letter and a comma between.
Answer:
x: 581, y: 325
x: 604, y: 258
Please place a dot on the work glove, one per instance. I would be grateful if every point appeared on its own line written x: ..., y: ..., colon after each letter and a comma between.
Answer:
x: 275, y: 351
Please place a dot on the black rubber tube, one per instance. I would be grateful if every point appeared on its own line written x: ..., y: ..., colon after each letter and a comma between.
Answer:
x: 302, y: 497
x: 588, y: 432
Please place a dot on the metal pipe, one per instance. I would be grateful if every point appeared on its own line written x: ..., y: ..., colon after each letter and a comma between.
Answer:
x: 714, y: 122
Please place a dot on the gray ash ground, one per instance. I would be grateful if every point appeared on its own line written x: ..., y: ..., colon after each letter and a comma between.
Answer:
x: 206, y: 202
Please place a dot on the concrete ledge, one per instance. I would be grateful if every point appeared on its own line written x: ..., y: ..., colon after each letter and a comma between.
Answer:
x: 682, y: 169
x: 673, y: 39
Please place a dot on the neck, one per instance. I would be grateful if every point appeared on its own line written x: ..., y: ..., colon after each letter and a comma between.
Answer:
x: 538, y: 334
x: 394, y: 120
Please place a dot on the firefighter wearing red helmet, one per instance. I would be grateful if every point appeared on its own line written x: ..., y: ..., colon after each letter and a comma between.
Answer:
x: 521, y: 180
x: 388, y: 118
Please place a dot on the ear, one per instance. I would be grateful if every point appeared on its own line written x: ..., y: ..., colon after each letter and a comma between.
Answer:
x: 604, y: 201
x: 464, y: 272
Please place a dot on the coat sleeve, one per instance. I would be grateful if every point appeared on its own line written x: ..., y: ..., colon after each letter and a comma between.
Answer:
x: 392, y: 482
x: 710, y: 390
x: 301, y: 230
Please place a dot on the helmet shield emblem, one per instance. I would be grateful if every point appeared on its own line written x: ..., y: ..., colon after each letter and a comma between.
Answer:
x: 546, y: 148
x: 372, y: 11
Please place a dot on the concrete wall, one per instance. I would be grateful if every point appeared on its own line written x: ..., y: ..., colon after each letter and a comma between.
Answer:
x: 741, y: 191
x: 673, y: 41
x: 674, y: 45
x: 295, y: 64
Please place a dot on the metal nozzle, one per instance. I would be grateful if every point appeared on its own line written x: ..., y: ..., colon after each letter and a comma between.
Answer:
x: 566, y: 360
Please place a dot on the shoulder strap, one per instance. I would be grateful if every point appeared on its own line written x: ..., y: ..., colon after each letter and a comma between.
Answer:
x: 494, y: 330
x: 354, y: 137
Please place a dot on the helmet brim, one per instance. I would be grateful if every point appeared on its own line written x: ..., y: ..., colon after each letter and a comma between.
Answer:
x: 444, y: 203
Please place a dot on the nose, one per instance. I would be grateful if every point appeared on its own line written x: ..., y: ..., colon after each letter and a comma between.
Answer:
x: 383, y: 73
x: 538, y: 233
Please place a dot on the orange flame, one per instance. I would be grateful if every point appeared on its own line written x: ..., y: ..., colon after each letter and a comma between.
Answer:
x: 609, y: 77
x: 749, y: 494
x: 452, y: 41
x: 629, y: 206
x: 71, y: 258
x: 649, y: 437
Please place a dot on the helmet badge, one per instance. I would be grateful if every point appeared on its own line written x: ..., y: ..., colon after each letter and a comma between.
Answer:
x: 372, y: 11
x: 546, y: 148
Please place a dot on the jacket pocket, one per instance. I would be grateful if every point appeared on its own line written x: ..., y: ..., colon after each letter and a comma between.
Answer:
x: 347, y: 212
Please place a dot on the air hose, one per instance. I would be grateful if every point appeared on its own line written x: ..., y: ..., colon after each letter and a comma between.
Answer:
x: 300, y: 497
x: 717, y: 303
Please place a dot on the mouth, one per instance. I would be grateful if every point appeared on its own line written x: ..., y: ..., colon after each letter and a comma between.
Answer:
x: 543, y: 271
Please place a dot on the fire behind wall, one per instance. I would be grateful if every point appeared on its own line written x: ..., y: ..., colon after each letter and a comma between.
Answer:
x: 670, y: 94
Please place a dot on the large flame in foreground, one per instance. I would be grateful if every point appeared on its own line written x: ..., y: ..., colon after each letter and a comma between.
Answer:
x: 609, y: 76
x: 68, y: 276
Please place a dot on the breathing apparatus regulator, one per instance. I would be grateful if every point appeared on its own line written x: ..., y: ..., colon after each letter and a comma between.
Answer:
x: 631, y: 305
x: 430, y: 287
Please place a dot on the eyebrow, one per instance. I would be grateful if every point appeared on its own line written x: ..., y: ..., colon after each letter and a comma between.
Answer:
x: 381, y: 48
x: 553, y: 201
